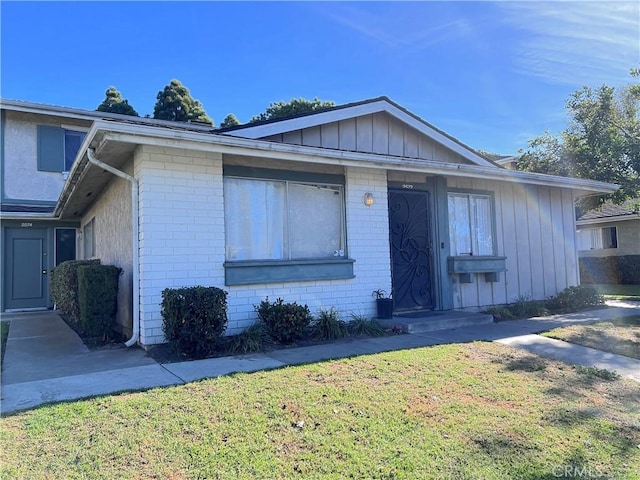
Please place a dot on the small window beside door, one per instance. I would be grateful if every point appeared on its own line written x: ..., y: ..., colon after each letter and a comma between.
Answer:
x: 65, y: 245
x: 471, y: 224
x: 89, y: 239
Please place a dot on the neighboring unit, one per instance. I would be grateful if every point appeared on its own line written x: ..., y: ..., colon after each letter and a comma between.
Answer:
x: 322, y: 209
x: 609, y: 243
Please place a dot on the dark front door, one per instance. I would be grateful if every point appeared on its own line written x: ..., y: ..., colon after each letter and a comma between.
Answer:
x: 410, y: 249
x: 26, y: 268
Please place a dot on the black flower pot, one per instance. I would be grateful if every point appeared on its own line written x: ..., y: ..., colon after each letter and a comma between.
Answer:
x: 385, y: 308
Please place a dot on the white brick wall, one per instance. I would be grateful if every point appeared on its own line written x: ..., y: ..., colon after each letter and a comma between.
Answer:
x: 182, y: 241
x: 181, y: 227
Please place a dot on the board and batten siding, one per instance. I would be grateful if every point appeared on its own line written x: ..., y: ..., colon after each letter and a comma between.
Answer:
x: 535, y: 230
x: 375, y: 133
x: 112, y: 229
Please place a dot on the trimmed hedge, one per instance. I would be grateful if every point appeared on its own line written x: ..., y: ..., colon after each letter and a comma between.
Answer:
x: 194, y: 319
x: 574, y: 299
x: 621, y: 270
x: 64, y: 288
x: 286, y: 322
x: 98, y: 299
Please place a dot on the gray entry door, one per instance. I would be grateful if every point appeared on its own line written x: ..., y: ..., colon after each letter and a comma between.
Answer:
x: 26, y: 279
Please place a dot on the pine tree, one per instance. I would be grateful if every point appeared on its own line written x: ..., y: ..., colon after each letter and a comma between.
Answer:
x: 230, y: 121
x: 114, y: 103
x: 175, y: 103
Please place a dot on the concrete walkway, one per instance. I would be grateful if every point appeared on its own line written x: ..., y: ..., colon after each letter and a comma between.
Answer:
x: 45, y: 361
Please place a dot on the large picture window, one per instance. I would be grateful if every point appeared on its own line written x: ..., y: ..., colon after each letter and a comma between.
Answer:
x: 283, y: 220
x: 470, y: 224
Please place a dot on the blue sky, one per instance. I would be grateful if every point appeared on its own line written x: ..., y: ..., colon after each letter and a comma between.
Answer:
x: 492, y: 74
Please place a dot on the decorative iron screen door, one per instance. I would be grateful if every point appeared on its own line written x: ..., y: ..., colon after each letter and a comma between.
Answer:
x: 410, y: 249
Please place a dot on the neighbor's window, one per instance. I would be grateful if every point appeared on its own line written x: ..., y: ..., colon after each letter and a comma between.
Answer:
x: 89, y: 239
x: 597, y: 238
x: 57, y: 148
x: 282, y: 220
x: 470, y: 224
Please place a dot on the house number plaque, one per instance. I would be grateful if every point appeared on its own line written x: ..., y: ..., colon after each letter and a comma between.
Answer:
x: 26, y: 224
x: 408, y: 186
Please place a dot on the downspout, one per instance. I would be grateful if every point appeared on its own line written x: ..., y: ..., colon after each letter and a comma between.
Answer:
x: 135, y: 241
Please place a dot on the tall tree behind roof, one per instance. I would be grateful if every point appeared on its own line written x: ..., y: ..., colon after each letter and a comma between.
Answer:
x: 296, y: 106
x: 175, y: 103
x: 114, y: 103
x: 601, y: 141
x: 230, y: 121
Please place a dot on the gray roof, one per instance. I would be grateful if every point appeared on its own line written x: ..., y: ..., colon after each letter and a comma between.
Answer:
x: 630, y: 208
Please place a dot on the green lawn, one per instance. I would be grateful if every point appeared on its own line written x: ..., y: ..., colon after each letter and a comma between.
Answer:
x: 621, y: 336
x: 619, y: 292
x: 464, y: 411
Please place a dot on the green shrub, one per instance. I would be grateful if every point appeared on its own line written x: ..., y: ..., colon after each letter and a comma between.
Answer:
x: 572, y: 299
x: 285, y: 322
x: 629, y: 269
x: 619, y: 270
x: 524, y: 306
x: 64, y: 288
x: 363, y: 325
x: 252, y: 339
x: 329, y: 325
x: 194, y: 319
x: 97, y: 299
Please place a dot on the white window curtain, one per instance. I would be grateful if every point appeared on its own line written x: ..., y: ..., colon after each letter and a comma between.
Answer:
x: 280, y: 220
x: 470, y: 224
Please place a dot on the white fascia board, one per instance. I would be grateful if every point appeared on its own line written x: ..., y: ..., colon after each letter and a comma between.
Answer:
x: 619, y: 218
x: 40, y: 109
x: 146, y: 135
x: 261, y: 131
x: 76, y: 113
x: 28, y: 216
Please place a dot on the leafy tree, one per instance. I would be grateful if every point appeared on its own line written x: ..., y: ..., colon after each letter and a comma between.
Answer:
x: 230, y: 121
x: 601, y: 141
x: 114, y: 103
x: 296, y: 106
x: 175, y: 103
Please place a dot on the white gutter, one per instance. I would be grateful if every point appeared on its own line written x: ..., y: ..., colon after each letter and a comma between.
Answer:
x: 135, y: 239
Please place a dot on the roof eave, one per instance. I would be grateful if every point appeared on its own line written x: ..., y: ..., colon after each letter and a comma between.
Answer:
x: 149, y: 135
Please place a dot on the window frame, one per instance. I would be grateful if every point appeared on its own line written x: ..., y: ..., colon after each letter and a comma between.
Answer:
x: 52, y: 147
x: 261, y: 271
x: 492, y: 209
x: 590, y: 231
x: 89, y: 239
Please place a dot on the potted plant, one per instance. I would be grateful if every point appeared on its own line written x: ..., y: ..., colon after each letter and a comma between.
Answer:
x: 384, y: 304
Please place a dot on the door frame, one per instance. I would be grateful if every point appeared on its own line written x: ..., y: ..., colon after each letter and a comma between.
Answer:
x: 10, y: 261
x: 436, y: 186
x: 31, y: 223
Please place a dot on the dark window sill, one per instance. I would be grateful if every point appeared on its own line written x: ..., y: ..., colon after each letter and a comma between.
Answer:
x: 250, y: 272
x: 466, y: 266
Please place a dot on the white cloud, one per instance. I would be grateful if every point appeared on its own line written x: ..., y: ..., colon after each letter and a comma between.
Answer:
x: 575, y: 43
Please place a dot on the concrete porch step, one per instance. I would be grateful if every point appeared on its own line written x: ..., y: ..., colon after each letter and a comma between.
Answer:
x: 428, y: 321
